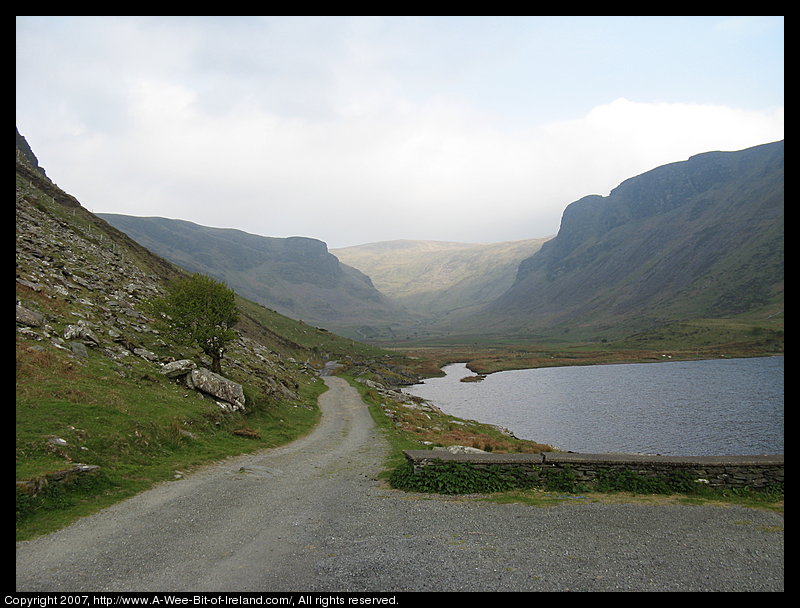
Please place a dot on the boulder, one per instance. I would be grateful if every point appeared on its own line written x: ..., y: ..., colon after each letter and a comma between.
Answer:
x: 175, y: 369
x: 79, y: 349
x: 217, y: 386
x: 460, y: 449
x: 145, y: 354
x: 81, y: 332
x: 26, y: 316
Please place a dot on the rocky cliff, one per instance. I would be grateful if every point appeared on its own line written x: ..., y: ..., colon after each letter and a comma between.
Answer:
x: 699, y: 238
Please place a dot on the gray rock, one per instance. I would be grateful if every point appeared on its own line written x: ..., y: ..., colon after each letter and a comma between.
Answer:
x: 29, y: 285
x: 460, y: 449
x: 26, y: 316
x: 82, y: 333
x: 206, y: 381
x: 179, y: 368
x: 79, y: 349
x: 145, y: 354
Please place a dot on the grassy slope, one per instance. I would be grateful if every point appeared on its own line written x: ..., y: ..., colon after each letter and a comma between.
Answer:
x: 119, y: 412
x: 140, y: 429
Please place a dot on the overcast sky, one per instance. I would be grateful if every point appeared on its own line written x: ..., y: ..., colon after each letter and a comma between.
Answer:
x: 361, y: 129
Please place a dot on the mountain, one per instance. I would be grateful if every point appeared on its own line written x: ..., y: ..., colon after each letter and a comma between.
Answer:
x: 702, y: 238
x: 74, y: 269
x: 295, y: 276
x: 103, y: 405
x: 439, y: 278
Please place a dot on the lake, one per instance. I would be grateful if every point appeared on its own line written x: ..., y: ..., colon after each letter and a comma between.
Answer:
x: 687, y: 408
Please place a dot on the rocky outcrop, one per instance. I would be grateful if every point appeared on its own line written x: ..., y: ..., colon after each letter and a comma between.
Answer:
x: 178, y: 369
x: 24, y: 150
x: 28, y: 317
x: 229, y: 394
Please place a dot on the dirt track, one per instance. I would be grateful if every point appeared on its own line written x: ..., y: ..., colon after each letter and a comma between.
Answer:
x: 311, y: 517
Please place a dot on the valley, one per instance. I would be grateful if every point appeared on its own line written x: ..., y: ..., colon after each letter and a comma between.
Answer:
x: 684, y: 263
x: 435, y: 278
x: 686, y: 258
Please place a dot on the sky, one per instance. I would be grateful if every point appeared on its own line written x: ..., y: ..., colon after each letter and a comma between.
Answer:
x: 358, y: 129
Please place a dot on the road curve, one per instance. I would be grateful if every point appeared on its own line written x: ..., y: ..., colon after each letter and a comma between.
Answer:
x: 310, y: 516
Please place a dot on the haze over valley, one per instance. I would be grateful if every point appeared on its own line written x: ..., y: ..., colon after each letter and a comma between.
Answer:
x: 695, y: 240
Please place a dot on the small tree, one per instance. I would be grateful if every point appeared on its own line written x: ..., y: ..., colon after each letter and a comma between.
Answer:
x: 201, y: 311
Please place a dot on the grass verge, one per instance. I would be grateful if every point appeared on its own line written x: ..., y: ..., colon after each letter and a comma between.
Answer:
x: 430, y: 430
x: 412, y: 428
x: 139, y: 427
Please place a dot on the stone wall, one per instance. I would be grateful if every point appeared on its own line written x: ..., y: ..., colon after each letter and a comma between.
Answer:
x: 755, y: 472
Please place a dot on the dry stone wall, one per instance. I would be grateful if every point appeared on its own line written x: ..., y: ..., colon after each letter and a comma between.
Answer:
x: 755, y: 472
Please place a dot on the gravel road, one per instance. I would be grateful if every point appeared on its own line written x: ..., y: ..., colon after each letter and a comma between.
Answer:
x: 310, y: 516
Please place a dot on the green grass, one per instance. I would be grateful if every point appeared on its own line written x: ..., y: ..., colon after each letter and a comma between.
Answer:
x: 768, y: 500
x: 505, y: 488
x: 140, y: 428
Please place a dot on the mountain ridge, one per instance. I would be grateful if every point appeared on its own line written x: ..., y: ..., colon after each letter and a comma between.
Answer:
x: 296, y: 276
x: 701, y: 237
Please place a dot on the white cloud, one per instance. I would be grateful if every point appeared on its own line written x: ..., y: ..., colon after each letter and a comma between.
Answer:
x: 433, y: 173
x: 624, y: 138
x: 335, y: 129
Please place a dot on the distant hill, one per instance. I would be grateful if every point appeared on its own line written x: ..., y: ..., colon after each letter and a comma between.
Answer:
x: 701, y: 238
x: 438, y: 278
x: 295, y: 276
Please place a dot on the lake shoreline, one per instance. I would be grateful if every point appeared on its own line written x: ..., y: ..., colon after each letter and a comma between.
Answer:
x: 486, y: 367
x: 429, y: 360
x: 708, y: 409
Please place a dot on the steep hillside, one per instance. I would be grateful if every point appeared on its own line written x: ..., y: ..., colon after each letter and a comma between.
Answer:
x: 436, y: 278
x: 696, y: 239
x: 295, y: 276
x: 100, y: 389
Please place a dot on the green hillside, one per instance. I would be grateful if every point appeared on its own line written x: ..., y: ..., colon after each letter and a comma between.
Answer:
x: 93, y: 404
x: 295, y: 276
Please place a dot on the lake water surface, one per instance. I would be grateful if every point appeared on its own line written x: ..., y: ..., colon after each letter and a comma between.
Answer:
x: 688, y: 408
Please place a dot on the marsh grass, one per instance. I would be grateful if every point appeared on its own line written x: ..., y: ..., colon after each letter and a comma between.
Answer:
x: 687, y: 340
